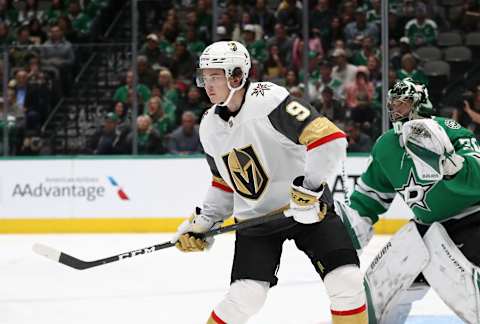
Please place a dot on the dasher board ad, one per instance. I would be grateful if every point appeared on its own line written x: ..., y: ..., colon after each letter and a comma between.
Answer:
x: 128, y: 188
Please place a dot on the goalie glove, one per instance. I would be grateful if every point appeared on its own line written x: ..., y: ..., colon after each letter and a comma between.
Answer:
x: 185, y: 238
x: 306, y: 207
x: 433, y: 155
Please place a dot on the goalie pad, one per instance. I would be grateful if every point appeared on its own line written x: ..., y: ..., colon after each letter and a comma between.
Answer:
x: 359, y: 228
x: 393, y: 271
x: 455, y: 279
x: 432, y: 152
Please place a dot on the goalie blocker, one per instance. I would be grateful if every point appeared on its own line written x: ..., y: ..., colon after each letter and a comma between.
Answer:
x: 394, y: 279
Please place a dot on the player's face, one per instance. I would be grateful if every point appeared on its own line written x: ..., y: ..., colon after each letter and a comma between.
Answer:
x: 215, y: 85
x: 399, y: 109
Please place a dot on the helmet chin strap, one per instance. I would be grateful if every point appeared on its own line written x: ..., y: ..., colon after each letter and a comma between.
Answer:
x: 232, y: 92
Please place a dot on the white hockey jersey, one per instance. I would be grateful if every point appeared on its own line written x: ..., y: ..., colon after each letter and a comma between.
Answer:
x: 255, y: 153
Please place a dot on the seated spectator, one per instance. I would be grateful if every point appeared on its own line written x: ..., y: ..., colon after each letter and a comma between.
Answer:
x: 149, y: 141
x: 81, y: 22
x: 343, y: 71
x: 29, y: 11
x: 106, y: 140
x: 274, y: 68
x: 396, y: 58
x: 146, y: 75
x: 358, y: 141
x: 358, y: 88
x: 374, y: 71
x: 314, y: 47
x: 151, y: 49
x: 21, y: 49
x: 335, y: 34
x: 326, y: 80
x: 360, y: 57
x: 291, y: 79
x: 193, y: 103
x: 37, y: 35
x: 162, y: 121
x: 330, y: 107
x: 255, y: 46
x: 5, y: 37
x: 289, y: 15
x: 124, y: 121
x: 409, y: 70
x: 263, y: 16
x: 185, y: 139
x: 122, y: 92
x: 55, y: 10
x: 8, y: 13
x: 183, y: 63
x: 195, y: 46
x: 359, y: 29
x: 202, y: 33
x: 374, y: 15
x: 283, y: 43
x: 420, y: 30
x: 473, y: 114
x: 320, y: 20
x: 167, y: 86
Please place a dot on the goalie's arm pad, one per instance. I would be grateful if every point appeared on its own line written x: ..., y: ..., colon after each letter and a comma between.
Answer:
x: 373, y: 192
x: 218, y: 203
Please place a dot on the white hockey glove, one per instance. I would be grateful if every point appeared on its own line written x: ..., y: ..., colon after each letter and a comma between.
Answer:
x: 433, y: 155
x: 305, y: 205
x: 359, y: 228
x: 185, y: 239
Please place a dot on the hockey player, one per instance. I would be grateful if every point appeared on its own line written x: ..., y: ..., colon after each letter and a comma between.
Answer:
x: 434, y: 165
x: 270, y: 153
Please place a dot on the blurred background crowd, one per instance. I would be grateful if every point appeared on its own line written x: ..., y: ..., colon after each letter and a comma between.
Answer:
x: 69, y: 80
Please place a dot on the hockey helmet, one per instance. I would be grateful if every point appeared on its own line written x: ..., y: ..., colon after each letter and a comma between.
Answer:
x: 412, y: 93
x: 226, y: 55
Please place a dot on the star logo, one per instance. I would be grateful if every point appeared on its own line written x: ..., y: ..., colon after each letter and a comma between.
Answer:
x: 260, y: 89
x: 414, y: 193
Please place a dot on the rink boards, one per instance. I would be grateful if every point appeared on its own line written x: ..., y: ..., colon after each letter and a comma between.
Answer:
x: 103, y: 195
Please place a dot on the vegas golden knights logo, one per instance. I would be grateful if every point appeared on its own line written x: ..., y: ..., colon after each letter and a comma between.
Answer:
x: 246, y: 172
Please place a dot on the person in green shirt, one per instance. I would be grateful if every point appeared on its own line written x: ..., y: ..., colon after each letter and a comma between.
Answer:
x: 433, y: 165
x: 360, y: 57
x: 162, y: 121
x: 420, y: 30
x: 409, y: 70
x: 256, y: 47
x: 123, y: 92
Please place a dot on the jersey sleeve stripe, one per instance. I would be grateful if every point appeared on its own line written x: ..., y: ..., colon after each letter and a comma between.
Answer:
x: 221, y: 184
x: 358, y: 310
x: 325, y: 139
x: 319, y: 131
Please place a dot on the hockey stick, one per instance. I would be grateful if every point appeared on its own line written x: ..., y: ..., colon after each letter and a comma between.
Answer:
x: 78, y: 264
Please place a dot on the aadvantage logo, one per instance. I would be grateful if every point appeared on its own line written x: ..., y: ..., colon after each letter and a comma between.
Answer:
x: 246, y: 172
x: 121, y: 194
x: 414, y: 193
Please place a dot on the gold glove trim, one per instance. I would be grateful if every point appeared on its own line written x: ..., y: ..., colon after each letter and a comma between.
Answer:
x: 302, y: 198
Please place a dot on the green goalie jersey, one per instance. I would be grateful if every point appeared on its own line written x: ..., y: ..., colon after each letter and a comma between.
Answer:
x: 391, y: 171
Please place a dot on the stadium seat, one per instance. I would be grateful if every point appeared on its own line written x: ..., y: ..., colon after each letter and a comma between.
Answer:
x: 472, y: 40
x: 428, y: 53
x: 449, y: 39
x: 459, y: 58
x: 438, y: 73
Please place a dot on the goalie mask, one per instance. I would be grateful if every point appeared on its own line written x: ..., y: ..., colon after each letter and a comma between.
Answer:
x: 408, y: 100
x: 229, y: 56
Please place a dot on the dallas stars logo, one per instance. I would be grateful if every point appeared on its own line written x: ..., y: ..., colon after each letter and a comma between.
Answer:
x: 260, y: 89
x: 414, y: 193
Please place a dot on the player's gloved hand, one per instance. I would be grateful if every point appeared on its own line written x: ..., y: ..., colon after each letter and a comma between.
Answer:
x: 185, y: 238
x: 432, y: 152
x: 305, y: 205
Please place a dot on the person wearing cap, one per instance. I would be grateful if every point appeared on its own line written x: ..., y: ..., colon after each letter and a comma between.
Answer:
x: 183, y: 62
x: 420, y: 30
x: 404, y: 48
x: 153, y: 52
x: 343, y: 71
x: 360, y: 27
x: 106, y: 139
x: 256, y: 47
